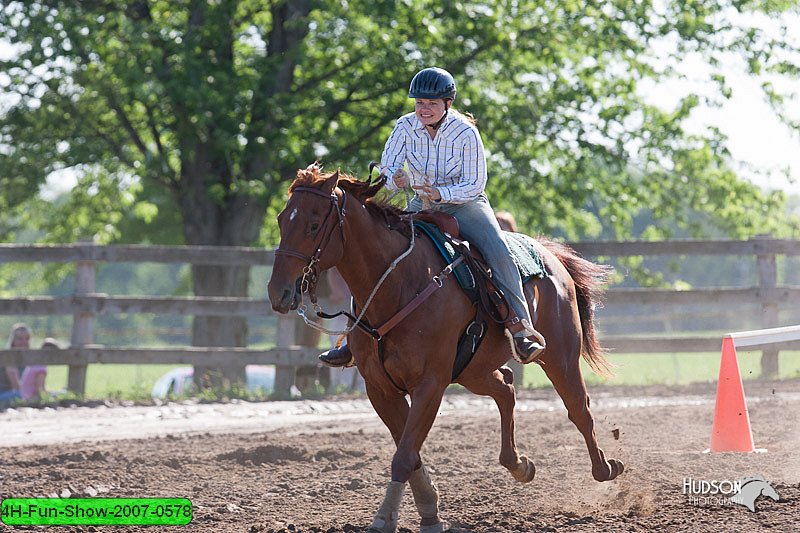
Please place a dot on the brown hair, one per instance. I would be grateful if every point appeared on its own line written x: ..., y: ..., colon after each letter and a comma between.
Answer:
x: 469, y: 117
x: 16, y: 328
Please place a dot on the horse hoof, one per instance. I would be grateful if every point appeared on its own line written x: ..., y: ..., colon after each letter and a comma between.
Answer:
x: 608, y: 470
x: 508, y: 375
x: 617, y: 467
x: 380, y: 525
x: 441, y: 527
x: 382, y: 529
x: 525, y: 471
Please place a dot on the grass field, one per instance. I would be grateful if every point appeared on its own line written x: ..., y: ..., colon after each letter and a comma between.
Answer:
x: 674, y: 369
x: 136, y: 381
x: 111, y: 381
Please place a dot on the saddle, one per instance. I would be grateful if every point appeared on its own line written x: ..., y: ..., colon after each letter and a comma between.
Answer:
x: 447, y: 224
x: 443, y: 230
x: 475, y: 277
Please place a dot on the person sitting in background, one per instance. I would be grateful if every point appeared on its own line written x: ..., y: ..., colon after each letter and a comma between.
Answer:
x: 33, y: 377
x: 20, y: 337
x: 506, y: 221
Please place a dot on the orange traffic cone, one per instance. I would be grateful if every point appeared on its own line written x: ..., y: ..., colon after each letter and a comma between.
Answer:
x: 731, y: 430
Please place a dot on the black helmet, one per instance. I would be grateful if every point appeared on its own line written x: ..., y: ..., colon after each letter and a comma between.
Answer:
x: 433, y: 83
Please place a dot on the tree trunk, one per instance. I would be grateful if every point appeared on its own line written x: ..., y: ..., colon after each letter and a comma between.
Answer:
x: 235, y: 222
x: 212, y: 280
x: 234, y: 219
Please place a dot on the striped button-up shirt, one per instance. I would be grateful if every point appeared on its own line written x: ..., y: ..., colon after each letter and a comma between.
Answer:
x: 454, y: 162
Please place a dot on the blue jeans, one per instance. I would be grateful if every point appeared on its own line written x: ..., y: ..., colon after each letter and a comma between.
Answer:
x: 478, y: 225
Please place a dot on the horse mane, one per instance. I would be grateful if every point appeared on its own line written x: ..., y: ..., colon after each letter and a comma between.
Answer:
x: 365, y: 191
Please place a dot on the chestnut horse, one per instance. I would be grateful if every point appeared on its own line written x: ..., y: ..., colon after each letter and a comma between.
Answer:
x: 335, y: 220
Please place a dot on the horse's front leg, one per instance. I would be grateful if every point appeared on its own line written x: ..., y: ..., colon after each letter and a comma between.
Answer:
x: 426, y: 498
x: 425, y: 401
x: 392, y: 408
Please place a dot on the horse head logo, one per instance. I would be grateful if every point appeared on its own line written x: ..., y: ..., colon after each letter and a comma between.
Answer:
x: 751, y: 489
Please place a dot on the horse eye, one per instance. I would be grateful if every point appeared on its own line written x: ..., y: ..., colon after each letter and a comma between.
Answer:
x: 314, y: 227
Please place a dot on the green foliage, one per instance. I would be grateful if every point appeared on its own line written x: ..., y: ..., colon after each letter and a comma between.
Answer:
x: 185, y: 120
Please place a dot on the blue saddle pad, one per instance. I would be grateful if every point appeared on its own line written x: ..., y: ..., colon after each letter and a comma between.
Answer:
x: 442, y: 243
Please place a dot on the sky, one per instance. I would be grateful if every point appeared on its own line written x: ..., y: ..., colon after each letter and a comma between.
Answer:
x: 756, y: 136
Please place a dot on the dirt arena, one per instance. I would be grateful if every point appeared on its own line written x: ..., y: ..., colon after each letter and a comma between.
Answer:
x: 323, y: 467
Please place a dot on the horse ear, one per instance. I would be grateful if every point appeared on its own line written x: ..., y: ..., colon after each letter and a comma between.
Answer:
x: 331, y: 182
x: 311, y: 172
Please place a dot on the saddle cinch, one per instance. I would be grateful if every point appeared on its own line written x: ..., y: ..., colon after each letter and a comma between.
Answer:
x: 475, y: 277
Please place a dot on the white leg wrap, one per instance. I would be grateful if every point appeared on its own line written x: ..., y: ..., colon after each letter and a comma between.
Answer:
x: 425, y: 494
x: 386, y: 518
x: 426, y: 497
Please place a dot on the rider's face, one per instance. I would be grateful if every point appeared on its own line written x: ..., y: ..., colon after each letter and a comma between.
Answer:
x: 429, y: 112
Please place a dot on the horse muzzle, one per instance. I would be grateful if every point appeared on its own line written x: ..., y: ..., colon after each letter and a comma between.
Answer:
x: 284, y: 298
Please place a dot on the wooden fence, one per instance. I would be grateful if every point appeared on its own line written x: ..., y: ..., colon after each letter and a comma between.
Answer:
x: 766, y: 294
x: 85, y: 304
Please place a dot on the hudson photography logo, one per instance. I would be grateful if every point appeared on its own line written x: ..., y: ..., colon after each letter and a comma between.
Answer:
x: 726, y: 492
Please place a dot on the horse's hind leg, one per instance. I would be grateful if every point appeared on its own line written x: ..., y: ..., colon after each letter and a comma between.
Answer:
x: 568, y: 381
x: 500, y: 386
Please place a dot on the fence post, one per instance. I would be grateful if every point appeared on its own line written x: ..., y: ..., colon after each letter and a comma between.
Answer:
x: 82, y: 324
x: 306, y: 377
x: 767, y: 279
x: 284, y: 337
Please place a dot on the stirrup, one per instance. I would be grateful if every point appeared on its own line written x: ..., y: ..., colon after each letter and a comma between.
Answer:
x: 337, y: 357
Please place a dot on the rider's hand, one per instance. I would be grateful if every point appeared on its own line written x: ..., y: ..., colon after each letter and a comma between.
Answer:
x: 428, y: 190
x: 400, y: 179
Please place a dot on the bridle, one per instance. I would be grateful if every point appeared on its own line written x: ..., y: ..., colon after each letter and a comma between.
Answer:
x: 310, y: 276
x: 310, y: 272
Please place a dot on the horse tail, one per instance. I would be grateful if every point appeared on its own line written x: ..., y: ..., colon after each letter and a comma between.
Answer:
x: 590, y: 279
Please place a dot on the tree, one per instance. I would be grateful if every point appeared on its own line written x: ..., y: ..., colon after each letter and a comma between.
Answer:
x: 201, y: 111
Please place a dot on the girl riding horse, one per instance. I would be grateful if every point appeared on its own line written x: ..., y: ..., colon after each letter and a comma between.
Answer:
x: 333, y: 220
x: 447, y: 167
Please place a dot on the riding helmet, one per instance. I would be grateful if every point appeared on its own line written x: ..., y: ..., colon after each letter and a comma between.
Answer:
x: 433, y: 83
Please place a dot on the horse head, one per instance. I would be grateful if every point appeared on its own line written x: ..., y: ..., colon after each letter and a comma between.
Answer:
x: 310, y: 241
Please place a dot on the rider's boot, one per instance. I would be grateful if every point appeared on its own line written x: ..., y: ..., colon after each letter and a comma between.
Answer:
x: 337, y: 357
x: 528, y: 343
